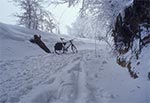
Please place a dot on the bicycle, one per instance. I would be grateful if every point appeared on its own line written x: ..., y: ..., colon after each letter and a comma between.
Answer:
x: 62, y: 47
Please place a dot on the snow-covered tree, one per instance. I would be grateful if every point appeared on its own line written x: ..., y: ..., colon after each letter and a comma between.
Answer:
x: 98, y: 16
x: 34, y: 16
x: 48, y: 22
x: 70, y: 2
x: 30, y: 13
x: 81, y: 28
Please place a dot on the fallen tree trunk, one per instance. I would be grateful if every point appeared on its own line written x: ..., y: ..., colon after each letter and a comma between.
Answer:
x: 37, y: 40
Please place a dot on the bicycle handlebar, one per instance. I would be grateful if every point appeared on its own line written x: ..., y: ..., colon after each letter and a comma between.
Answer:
x: 62, y: 39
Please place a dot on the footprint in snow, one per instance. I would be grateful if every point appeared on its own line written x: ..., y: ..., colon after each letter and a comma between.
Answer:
x: 50, y: 81
x: 100, y: 69
x: 104, y: 62
x: 96, y: 75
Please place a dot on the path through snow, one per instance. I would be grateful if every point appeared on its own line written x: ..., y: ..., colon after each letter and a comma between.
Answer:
x: 68, y: 78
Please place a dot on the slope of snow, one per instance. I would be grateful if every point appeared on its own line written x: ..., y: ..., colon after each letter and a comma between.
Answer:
x: 15, y: 42
x: 29, y: 75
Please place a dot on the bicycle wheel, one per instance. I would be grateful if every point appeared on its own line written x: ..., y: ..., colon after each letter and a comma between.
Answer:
x: 59, y: 51
x: 58, y: 48
x: 74, y: 49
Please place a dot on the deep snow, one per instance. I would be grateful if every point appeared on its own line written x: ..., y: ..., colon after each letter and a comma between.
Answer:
x: 29, y: 75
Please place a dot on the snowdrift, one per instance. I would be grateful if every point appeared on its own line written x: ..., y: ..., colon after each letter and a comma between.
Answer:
x: 15, y: 42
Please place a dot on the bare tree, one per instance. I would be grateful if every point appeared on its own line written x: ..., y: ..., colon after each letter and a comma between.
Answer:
x: 30, y: 13
x: 34, y: 16
x: 48, y: 23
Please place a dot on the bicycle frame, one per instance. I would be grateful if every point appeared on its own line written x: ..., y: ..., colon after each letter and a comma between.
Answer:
x: 62, y: 47
x: 69, y: 44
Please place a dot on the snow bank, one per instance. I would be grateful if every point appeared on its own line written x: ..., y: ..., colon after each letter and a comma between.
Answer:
x: 15, y: 42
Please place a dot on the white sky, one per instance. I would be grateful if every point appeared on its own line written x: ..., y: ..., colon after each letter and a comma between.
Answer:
x: 6, y: 12
x: 65, y: 16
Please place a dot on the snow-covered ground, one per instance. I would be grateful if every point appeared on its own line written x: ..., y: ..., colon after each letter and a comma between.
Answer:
x: 29, y: 75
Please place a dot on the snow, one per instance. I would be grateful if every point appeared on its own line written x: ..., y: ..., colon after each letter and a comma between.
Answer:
x: 29, y: 75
